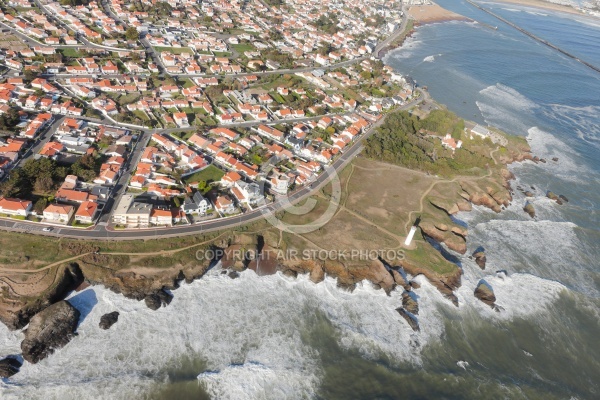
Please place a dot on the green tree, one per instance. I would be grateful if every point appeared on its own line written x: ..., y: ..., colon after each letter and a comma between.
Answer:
x: 132, y: 33
x: 40, y: 205
x: 43, y: 184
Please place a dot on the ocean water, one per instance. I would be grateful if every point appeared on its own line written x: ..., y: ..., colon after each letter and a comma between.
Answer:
x: 279, y: 338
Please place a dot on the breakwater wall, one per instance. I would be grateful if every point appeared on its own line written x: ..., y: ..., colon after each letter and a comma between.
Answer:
x: 531, y: 35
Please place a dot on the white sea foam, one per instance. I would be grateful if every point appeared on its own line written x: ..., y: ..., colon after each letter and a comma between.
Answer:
x: 537, y: 13
x: 429, y: 59
x: 547, y: 249
x: 506, y: 108
x: 584, y: 119
x: 462, y: 364
x: 252, y: 381
x: 546, y: 145
x: 247, y: 330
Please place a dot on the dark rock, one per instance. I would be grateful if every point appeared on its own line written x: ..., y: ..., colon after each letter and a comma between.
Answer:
x: 551, y: 195
x: 555, y: 159
x: 529, y: 209
x: 49, y: 330
x: 528, y: 194
x: 543, y: 160
x: 409, y: 303
x: 563, y: 198
x: 156, y: 300
x: 536, y: 159
x: 414, y: 284
x: 9, y: 366
x: 290, y: 273
x: 108, y: 320
x: 153, y: 302
x: 485, y: 293
x: 412, y: 321
x: 480, y: 259
x: 67, y: 279
x: 233, y: 274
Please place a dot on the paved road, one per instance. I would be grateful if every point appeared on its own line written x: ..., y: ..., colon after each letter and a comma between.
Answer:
x: 100, y: 232
x: 43, y: 138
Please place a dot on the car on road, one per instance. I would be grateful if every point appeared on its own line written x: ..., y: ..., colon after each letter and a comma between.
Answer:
x: 47, y: 229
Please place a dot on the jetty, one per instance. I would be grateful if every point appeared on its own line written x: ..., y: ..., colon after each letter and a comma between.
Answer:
x: 531, y: 35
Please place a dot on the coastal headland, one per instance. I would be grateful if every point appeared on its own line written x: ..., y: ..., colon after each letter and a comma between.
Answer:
x: 422, y: 165
x: 382, y: 196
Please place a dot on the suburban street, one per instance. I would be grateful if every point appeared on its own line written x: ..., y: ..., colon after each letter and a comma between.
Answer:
x: 101, y: 232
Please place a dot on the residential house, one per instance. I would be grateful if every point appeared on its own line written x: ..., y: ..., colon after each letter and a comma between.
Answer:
x: 15, y: 207
x: 59, y: 213
x: 196, y: 204
x: 86, y: 212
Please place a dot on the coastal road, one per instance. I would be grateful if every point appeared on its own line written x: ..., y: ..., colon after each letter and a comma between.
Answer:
x: 383, y: 45
x: 100, y: 231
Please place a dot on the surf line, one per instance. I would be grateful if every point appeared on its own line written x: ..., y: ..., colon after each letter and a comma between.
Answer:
x: 531, y: 35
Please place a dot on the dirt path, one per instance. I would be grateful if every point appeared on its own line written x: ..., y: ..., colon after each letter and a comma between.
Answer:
x: 152, y: 253
x: 433, y: 184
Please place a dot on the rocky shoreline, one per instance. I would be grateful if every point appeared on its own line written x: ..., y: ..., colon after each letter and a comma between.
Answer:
x: 48, y: 308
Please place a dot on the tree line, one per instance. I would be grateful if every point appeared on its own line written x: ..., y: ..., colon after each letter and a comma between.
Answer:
x: 400, y: 141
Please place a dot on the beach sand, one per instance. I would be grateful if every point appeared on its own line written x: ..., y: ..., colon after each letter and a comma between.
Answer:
x: 544, y: 5
x: 433, y: 13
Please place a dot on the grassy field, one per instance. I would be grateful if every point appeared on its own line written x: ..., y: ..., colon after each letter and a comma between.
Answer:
x: 208, y: 174
x: 141, y: 115
x: 242, y: 47
x: 174, y: 50
x: 371, y: 196
x: 71, y: 52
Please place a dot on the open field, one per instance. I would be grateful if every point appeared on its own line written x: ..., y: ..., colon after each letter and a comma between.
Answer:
x: 208, y: 174
x: 384, y: 193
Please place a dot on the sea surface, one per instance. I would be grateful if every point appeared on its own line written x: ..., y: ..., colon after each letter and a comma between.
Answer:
x: 279, y: 338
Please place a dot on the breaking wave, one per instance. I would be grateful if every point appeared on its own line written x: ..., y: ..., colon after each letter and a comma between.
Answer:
x: 506, y: 108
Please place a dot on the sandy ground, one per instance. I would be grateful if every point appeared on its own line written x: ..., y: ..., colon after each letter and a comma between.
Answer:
x: 543, y: 5
x: 433, y: 13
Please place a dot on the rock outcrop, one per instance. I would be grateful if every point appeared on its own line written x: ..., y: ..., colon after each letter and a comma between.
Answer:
x: 553, y: 196
x: 9, y: 366
x: 67, y: 279
x: 412, y: 321
x: 316, y: 273
x: 485, y: 293
x: 446, y: 284
x: 158, y: 299
x: 381, y: 276
x: 529, y: 209
x: 480, y: 258
x: 108, y: 320
x: 409, y: 303
x: 454, y: 238
x: 49, y: 330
